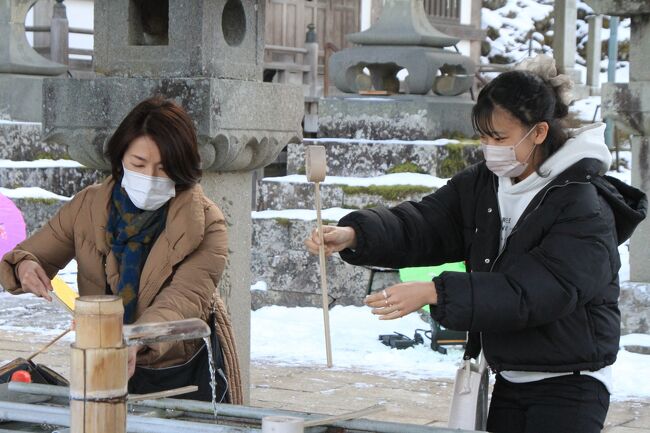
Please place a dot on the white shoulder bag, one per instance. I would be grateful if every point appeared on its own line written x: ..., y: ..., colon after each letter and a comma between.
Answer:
x: 469, y: 404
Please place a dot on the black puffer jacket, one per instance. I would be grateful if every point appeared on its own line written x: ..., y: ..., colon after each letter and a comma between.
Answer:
x: 549, y: 301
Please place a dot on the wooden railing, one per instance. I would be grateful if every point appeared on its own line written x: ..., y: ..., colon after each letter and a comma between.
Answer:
x: 443, y: 9
x: 59, y: 31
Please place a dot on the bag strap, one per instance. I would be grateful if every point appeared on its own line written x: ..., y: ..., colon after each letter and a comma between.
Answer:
x: 473, y: 345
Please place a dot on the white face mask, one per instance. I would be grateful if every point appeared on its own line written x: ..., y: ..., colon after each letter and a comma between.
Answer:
x: 502, y: 160
x: 147, y: 192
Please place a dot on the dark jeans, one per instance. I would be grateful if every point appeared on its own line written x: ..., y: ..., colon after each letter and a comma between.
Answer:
x: 571, y: 404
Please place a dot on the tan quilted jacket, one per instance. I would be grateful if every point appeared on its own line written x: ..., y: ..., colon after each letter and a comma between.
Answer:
x: 178, y: 280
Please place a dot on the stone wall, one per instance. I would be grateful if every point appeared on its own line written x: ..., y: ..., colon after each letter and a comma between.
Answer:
x: 364, y: 158
x: 292, y: 275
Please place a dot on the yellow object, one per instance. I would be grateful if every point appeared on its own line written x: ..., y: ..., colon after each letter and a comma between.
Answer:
x: 64, y: 293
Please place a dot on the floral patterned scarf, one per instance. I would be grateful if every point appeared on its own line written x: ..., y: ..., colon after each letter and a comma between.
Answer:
x: 131, y: 232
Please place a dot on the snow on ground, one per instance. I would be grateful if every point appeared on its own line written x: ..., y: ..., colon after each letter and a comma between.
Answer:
x: 385, y: 180
x: 294, y: 336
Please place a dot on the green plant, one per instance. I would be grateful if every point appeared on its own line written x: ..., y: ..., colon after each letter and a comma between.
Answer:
x: 454, y: 162
x: 387, y: 192
x: 45, y: 201
x: 407, y: 167
x: 454, y: 135
x: 284, y: 222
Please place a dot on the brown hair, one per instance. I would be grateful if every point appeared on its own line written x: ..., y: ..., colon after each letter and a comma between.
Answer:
x: 171, y: 128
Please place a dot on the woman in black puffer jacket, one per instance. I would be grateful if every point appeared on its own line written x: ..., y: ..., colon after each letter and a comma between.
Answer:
x: 538, y: 225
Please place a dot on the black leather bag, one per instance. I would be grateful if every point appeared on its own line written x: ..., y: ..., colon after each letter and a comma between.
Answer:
x: 38, y: 372
x: 195, y: 371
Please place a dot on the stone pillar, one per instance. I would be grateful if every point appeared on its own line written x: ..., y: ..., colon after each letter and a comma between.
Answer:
x: 593, y: 53
x: 21, y: 68
x: 639, y: 251
x: 232, y: 193
x: 628, y: 104
x: 42, y: 17
x: 207, y: 55
x: 564, y: 38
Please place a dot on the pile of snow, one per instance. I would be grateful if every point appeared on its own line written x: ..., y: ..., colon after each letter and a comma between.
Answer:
x: 412, y: 179
x: 40, y: 163
x: 32, y: 193
x: 332, y: 214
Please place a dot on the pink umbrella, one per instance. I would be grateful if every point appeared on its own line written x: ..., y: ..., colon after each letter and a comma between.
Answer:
x: 12, y: 225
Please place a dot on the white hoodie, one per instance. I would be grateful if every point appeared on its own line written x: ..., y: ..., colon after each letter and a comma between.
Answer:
x: 586, y: 142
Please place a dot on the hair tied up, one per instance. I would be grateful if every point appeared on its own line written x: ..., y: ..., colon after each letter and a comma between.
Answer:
x: 544, y: 67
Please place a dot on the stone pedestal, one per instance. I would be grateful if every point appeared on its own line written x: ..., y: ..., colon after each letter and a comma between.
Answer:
x: 400, y: 117
x: 207, y: 56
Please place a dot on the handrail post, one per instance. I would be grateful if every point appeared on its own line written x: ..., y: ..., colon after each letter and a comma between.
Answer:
x: 311, y: 44
x: 59, y: 45
x: 593, y: 53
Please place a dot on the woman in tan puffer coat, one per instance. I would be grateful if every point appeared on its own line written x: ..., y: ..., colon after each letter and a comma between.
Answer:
x: 147, y: 234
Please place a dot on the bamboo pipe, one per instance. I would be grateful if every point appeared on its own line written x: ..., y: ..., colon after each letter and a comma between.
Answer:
x: 316, y: 169
x: 98, y: 367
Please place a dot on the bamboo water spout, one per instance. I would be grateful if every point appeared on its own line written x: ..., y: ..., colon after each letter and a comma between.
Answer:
x: 99, y: 356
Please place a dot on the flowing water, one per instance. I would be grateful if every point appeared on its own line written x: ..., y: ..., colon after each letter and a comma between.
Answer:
x: 213, y: 380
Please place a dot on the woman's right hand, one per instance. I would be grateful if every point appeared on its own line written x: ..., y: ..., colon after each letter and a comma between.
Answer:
x: 33, y: 279
x: 335, y: 239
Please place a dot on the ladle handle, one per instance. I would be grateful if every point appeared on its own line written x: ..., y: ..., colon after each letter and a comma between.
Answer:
x: 162, y: 394
x: 345, y: 416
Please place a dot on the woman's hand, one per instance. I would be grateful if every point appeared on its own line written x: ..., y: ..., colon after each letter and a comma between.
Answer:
x: 133, y: 355
x: 335, y: 238
x: 401, y: 299
x: 33, y: 279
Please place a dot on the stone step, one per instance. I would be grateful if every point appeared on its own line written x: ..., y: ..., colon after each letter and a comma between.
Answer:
x: 21, y: 141
x: 290, y: 274
x: 62, y: 177
x: 367, y: 158
x: 295, y: 192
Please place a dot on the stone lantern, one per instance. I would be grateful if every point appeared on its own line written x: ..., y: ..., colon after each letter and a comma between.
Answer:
x: 207, y: 55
